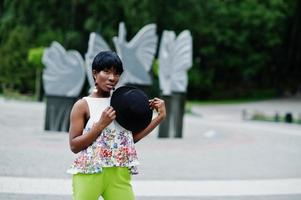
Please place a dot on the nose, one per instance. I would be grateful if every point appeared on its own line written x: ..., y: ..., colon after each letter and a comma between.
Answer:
x: 112, y: 77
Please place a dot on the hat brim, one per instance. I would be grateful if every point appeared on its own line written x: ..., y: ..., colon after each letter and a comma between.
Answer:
x: 132, y: 108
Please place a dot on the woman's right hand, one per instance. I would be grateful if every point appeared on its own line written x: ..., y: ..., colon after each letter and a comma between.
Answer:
x: 107, y: 116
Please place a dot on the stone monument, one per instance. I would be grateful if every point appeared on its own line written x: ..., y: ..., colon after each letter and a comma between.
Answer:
x: 96, y: 44
x: 175, y: 59
x: 63, y: 80
x: 136, y: 55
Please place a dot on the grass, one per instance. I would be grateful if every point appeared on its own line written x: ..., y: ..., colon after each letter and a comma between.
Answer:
x: 9, y: 94
x: 190, y: 103
x: 252, y: 96
x: 268, y: 118
x: 224, y: 101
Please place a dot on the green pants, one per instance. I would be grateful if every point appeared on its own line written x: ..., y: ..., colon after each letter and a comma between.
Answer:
x: 113, y: 183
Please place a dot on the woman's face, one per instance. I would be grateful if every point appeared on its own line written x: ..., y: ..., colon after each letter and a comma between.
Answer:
x: 106, y: 79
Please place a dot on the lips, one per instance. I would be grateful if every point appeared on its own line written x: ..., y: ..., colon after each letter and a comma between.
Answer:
x: 110, y: 86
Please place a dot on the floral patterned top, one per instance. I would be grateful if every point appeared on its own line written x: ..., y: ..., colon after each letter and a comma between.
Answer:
x: 114, y: 147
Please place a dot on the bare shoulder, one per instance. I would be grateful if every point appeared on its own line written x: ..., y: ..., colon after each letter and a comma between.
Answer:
x: 80, y: 108
x: 78, y: 117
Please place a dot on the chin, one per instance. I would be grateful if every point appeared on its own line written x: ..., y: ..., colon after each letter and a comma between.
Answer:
x: 108, y: 90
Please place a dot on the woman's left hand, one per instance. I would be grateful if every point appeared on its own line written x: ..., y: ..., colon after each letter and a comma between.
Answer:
x: 159, y: 106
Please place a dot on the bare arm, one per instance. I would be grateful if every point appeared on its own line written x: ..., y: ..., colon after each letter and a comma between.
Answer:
x: 159, y: 106
x: 79, y: 141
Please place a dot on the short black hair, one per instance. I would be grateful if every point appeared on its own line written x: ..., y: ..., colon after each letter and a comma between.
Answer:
x: 107, y: 60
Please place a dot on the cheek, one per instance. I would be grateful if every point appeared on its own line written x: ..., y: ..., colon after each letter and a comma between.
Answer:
x: 100, y: 78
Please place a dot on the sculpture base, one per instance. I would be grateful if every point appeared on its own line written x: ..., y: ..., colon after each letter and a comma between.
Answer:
x: 172, y: 126
x: 58, y: 110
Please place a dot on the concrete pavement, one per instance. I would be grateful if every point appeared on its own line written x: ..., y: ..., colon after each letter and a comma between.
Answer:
x: 220, y: 156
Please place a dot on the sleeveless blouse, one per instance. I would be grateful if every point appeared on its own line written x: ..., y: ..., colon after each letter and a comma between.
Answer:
x: 114, y: 147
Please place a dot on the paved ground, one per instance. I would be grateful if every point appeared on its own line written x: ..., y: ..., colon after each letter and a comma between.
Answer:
x: 220, y: 157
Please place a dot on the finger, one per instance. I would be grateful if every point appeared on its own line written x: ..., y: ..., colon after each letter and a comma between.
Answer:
x: 158, y: 103
x: 110, y: 109
x: 151, y: 105
x: 112, y: 113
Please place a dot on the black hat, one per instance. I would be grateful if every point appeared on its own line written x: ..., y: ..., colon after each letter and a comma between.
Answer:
x: 132, y: 108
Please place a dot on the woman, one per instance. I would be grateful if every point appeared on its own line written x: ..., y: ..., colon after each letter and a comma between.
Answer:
x: 106, y: 153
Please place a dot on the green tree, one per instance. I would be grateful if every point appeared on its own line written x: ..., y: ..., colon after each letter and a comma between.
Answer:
x: 238, y: 46
x: 34, y: 58
x: 14, y: 70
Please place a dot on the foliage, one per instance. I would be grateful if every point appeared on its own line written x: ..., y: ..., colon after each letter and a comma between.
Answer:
x: 239, y: 47
x: 288, y: 117
x: 14, y: 69
x: 35, y: 57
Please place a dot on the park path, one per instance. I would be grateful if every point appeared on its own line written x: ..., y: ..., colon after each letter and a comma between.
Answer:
x: 220, y: 156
